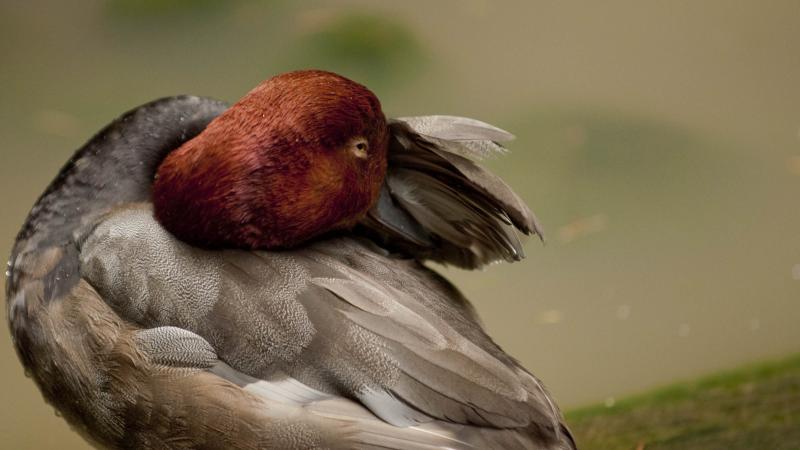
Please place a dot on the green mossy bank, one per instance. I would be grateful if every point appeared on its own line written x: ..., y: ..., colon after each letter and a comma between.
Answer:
x: 754, y: 407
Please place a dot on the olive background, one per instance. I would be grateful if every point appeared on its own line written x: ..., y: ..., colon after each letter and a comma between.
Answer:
x: 658, y: 142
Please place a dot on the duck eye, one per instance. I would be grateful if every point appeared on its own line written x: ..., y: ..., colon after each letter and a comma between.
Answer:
x: 358, y: 147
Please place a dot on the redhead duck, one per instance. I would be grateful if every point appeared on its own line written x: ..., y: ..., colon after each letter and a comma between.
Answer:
x: 205, y: 276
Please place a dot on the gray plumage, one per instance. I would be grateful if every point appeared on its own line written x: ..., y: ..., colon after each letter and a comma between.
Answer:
x: 442, y: 205
x: 143, y: 341
x: 454, y: 128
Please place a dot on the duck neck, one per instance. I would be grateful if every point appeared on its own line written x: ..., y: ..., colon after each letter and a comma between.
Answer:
x: 115, y: 167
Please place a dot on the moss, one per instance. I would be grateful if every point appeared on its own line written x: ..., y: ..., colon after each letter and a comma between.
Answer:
x: 757, y: 406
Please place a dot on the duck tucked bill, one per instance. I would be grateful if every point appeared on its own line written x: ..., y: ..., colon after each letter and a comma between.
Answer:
x: 199, y: 276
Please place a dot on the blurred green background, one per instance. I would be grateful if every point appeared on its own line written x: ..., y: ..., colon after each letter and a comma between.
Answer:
x: 658, y: 142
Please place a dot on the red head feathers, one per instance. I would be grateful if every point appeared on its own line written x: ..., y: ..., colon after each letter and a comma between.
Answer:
x: 301, y: 154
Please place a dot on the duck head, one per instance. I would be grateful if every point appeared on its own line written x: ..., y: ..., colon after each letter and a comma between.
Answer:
x: 302, y: 154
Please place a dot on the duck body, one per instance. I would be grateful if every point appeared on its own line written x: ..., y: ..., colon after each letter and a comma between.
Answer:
x: 142, y: 339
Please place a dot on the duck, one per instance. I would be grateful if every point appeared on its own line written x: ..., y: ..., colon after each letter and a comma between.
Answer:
x: 207, y: 276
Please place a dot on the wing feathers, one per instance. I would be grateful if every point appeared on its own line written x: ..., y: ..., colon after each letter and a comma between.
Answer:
x: 428, y: 350
x: 175, y: 347
x: 455, y: 128
x: 438, y: 203
x: 337, y: 316
x: 494, y: 187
